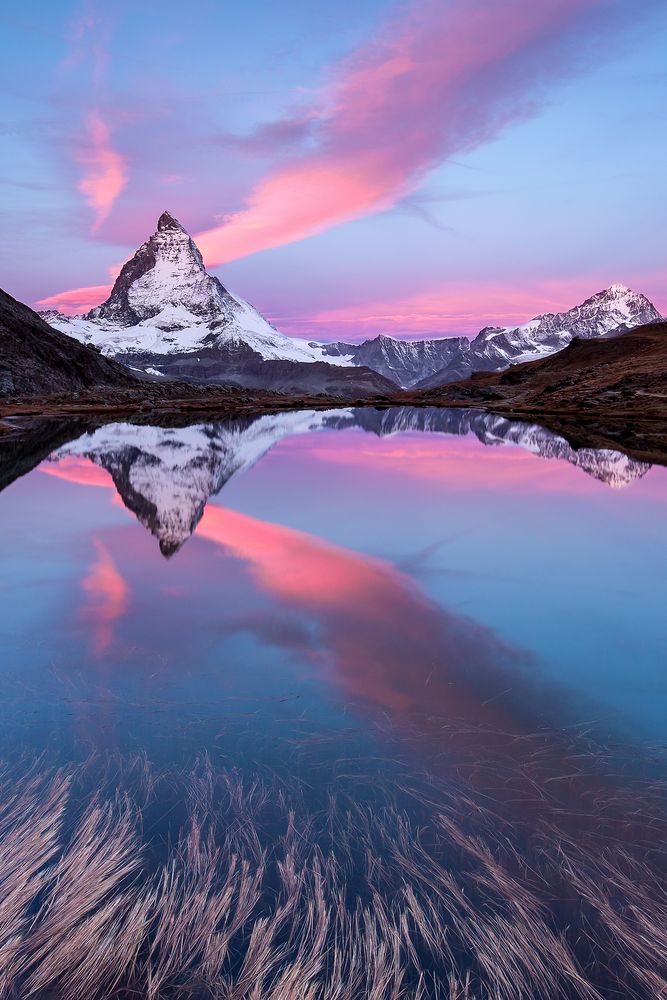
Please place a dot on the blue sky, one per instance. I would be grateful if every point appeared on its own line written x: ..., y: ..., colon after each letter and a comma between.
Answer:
x: 512, y: 162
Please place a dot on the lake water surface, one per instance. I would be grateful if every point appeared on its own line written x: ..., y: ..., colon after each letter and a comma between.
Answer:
x: 420, y: 653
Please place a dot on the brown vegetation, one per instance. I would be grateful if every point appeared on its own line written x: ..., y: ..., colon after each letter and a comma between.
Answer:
x: 413, y: 892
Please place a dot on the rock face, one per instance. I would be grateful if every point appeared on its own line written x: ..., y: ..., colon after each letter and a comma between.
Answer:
x: 165, y: 281
x: 402, y: 361
x: 238, y: 365
x: 35, y: 359
x: 166, y: 476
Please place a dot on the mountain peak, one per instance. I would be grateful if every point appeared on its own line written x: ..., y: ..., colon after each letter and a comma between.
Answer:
x: 166, y: 276
x: 167, y: 222
x: 164, y: 302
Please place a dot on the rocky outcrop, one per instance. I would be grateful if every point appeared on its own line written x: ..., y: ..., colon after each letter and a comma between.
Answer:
x: 36, y: 359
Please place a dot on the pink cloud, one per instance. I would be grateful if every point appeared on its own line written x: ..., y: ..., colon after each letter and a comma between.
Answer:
x: 108, y: 595
x: 81, y: 471
x: 105, y: 169
x: 464, y: 308
x: 441, y: 79
x: 76, y: 300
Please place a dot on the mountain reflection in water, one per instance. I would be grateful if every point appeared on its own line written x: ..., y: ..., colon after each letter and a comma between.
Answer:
x: 166, y: 475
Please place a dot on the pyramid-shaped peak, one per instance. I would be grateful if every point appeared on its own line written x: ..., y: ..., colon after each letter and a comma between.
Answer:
x: 167, y: 222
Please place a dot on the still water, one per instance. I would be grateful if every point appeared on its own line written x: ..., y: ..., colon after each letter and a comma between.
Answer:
x: 450, y: 626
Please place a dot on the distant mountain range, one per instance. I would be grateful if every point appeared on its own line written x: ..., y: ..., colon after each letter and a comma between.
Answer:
x: 625, y: 376
x: 166, y: 476
x: 425, y: 364
x: 167, y: 317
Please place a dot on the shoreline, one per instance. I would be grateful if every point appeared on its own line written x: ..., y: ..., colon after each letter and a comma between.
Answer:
x: 641, y: 436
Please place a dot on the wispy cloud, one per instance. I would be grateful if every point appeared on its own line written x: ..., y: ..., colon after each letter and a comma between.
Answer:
x: 105, y: 170
x: 108, y: 596
x: 442, y: 78
x: 76, y: 300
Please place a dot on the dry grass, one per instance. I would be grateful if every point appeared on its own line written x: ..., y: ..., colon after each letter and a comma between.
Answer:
x: 203, y: 885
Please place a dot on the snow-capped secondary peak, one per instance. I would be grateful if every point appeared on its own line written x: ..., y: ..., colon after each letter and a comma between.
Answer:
x: 605, y: 313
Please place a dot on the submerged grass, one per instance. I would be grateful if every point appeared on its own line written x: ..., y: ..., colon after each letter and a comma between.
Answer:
x: 119, y: 881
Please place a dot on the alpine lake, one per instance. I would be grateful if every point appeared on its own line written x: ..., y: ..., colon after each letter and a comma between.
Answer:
x: 332, y: 705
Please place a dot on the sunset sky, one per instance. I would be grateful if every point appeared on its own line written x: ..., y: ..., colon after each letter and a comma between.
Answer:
x: 423, y: 168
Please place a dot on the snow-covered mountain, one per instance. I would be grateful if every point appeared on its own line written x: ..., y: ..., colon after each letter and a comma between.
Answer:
x: 428, y: 363
x: 611, y: 311
x: 166, y: 316
x: 166, y: 475
x: 164, y: 303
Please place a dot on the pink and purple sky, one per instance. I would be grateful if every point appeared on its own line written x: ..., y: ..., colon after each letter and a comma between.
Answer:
x: 419, y: 168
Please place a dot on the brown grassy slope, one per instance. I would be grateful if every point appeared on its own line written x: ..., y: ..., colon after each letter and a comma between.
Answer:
x: 35, y: 358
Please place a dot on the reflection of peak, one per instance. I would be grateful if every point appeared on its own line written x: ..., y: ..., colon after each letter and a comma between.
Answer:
x: 166, y: 475
x: 611, y: 467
